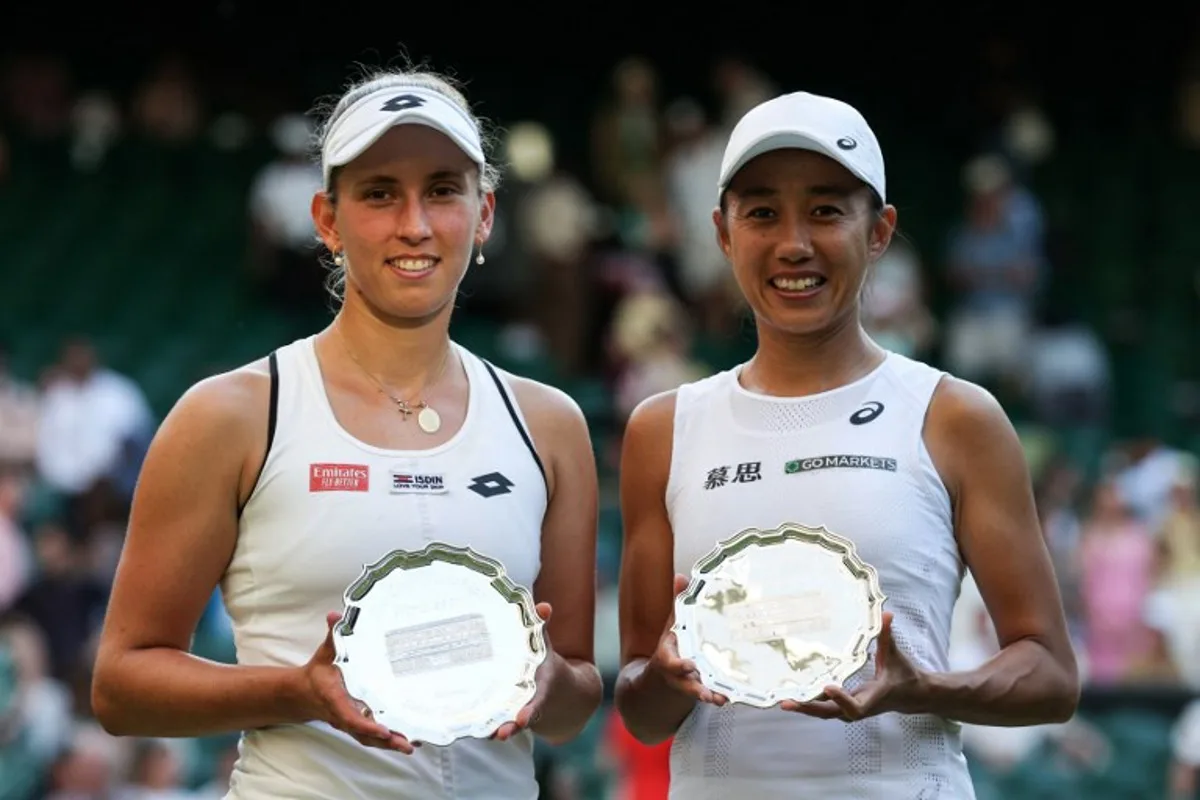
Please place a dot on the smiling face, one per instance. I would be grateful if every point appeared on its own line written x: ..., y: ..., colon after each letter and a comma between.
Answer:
x: 406, y: 215
x: 801, y: 232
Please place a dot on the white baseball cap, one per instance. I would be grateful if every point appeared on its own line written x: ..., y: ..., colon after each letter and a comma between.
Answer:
x: 807, y: 122
x: 361, y: 125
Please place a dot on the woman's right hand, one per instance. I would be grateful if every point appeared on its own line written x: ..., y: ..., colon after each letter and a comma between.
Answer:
x: 680, y: 673
x: 327, y: 699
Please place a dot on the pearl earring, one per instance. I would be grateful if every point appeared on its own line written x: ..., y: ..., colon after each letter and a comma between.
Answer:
x: 339, y: 259
x: 479, y: 258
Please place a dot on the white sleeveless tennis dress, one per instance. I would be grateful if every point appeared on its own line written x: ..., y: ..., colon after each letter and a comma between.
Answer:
x: 852, y: 460
x: 324, y: 505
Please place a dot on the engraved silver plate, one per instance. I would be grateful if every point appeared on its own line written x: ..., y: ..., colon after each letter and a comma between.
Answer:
x: 773, y: 615
x: 440, y: 644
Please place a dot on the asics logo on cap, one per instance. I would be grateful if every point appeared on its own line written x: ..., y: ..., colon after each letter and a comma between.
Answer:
x: 403, y: 102
x: 805, y: 121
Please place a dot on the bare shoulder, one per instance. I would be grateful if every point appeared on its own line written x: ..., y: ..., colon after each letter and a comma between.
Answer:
x: 654, y: 416
x: 964, y: 409
x: 647, y: 443
x: 967, y: 427
x: 227, y: 400
x: 545, y: 406
x: 221, y: 419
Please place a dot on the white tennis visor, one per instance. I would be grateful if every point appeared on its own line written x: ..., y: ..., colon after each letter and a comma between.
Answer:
x: 369, y: 118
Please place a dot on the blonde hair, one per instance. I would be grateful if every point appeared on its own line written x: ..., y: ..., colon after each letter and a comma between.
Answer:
x: 417, y: 77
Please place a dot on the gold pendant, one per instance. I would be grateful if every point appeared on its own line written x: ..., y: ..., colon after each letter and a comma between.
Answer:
x: 429, y: 420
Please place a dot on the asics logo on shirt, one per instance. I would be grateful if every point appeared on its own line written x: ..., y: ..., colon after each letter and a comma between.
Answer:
x: 869, y: 412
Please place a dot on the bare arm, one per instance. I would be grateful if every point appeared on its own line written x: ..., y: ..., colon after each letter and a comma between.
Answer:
x: 1034, y: 678
x: 651, y: 707
x: 567, y: 581
x: 182, y: 532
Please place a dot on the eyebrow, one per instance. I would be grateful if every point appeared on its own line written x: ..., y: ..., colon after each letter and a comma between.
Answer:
x: 813, y: 191
x: 439, y: 175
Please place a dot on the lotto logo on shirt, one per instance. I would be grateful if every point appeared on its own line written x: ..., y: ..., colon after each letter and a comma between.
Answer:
x: 338, y: 478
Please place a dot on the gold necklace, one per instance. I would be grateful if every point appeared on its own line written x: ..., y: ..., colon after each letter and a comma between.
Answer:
x: 427, y: 416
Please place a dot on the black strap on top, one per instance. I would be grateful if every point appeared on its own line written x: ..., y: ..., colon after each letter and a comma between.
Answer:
x: 272, y: 419
x: 512, y: 412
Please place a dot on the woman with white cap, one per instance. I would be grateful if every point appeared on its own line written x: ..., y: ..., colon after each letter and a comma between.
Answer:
x: 824, y: 428
x: 278, y: 482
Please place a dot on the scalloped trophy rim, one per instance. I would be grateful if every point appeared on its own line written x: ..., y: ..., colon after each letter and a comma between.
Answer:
x: 751, y: 537
x: 457, y: 555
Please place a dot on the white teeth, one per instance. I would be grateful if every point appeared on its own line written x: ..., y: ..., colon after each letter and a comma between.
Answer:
x: 412, y: 264
x: 798, y: 284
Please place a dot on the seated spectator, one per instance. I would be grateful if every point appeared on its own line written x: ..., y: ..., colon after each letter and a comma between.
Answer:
x: 996, y: 266
x: 94, y: 423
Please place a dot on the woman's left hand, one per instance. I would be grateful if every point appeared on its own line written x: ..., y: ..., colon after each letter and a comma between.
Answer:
x: 531, y: 712
x: 896, y: 686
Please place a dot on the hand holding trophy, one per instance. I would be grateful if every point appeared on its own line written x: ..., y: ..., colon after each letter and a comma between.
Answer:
x: 778, y: 615
x: 440, y: 644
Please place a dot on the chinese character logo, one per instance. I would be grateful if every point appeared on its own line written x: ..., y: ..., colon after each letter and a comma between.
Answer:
x: 716, y: 478
x: 746, y: 472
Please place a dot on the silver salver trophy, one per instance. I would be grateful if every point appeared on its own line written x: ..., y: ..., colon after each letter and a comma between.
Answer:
x: 440, y: 643
x: 773, y: 615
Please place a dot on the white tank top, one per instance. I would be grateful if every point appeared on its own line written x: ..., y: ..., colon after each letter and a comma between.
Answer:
x: 324, y: 505
x: 853, y: 460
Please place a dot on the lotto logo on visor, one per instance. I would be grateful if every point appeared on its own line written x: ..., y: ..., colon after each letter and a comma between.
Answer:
x: 338, y: 478
x: 361, y: 125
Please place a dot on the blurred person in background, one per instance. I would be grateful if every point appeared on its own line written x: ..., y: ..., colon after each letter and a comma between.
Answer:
x: 20, y: 772
x: 38, y: 94
x: 651, y: 340
x: 996, y: 269
x: 1179, y: 573
x: 43, y: 703
x: 65, y: 600
x: 802, y: 216
x: 894, y: 311
x: 293, y: 498
x: 627, y: 134
x: 94, y: 424
x: 284, y: 258
x: 739, y: 87
x: 90, y: 766
x: 1068, y: 372
x: 167, y: 107
x: 1057, y: 494
x: 1184, y: 776
x: 16, y: 557
x: 1117, y: 564
x: 218, y: 786
x: 693, y: 164
x: 155, y: 773
x: 1147, y: 469
x: 19, y: 408
x: 556, y: 222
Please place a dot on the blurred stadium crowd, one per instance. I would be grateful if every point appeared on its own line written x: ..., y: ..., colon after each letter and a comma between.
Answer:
x: 604, y: 279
